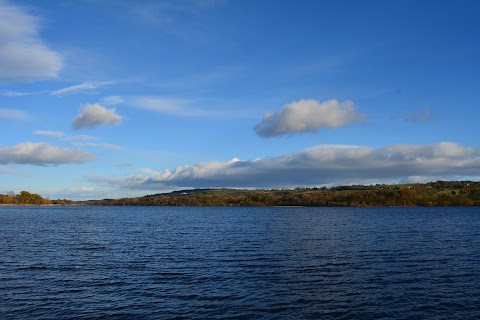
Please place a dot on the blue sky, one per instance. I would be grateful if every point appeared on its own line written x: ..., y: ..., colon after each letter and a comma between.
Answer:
x: 123, y: 98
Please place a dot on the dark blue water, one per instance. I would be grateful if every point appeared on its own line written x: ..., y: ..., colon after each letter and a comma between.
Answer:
x: 239, y: 263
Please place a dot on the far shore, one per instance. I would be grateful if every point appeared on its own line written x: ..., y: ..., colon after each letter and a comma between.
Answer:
x: 33, y: 205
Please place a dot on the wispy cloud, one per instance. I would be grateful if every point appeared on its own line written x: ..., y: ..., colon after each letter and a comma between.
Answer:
x: 106, y: 146
x: 85, y: 88
x: 9, y: 93
x: 422, y: 116
x: 50, y: 134
x: 81, y: 137
x: 112, y: 100
x: 308, y: 116
x: 8, y: 169
x: 94, y: 115
x: 23, y: 55
x: 164, y: 14
x: 221, y: 75
x: 165, y: 105
x: 42, y: 154
x: 324, y: 64
x: 64, y: 136
x: 77, y: 193
x: 319, y: 165
x: 149, y: 171
x: 180, y: 107
x: 13, y: 114
x: 78, y: 140
x: 88, y: 87
x: 124, y: 164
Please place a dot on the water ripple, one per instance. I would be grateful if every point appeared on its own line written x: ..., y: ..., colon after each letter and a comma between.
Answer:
x: 239, y: 263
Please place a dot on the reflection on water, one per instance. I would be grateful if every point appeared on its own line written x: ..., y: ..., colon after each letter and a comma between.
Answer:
x: 157, y: 263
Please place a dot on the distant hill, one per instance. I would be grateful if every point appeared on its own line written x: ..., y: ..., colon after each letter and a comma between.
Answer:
x: 439, y: 193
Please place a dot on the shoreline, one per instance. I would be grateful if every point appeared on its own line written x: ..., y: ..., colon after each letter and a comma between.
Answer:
x: 29, y: 205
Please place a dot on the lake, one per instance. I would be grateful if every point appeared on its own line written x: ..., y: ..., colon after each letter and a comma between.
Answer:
x: 239, y: 263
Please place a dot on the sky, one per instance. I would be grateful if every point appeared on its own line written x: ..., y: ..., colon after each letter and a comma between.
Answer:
x: 110, y: 99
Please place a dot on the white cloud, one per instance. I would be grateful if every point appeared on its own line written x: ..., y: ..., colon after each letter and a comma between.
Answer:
x: 23, y: 55
x: 42, y: 154
x: 93, y: 115
x: 13, y: 114
x: 319, y: 165
x: 88, y: 87
x: 308, y: 116
x: 50, y: 134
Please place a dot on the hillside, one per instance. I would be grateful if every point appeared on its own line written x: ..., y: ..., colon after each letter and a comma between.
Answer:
x: 440, y: 193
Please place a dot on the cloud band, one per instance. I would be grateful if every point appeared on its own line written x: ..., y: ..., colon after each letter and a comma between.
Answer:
x: 319, y: 165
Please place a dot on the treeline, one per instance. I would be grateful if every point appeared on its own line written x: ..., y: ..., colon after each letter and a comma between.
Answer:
x: 440, y: 193
x: 27, y: 198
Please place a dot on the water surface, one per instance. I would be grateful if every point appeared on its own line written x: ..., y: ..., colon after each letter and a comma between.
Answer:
x: 239, y: 263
